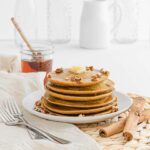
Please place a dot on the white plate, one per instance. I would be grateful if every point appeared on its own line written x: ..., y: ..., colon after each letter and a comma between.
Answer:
x: 28, y: 103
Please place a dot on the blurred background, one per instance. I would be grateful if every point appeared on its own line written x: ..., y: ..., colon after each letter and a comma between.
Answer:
x: 8, y: 8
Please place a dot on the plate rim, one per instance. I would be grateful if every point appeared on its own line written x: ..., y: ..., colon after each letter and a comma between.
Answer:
x: 75, y: 119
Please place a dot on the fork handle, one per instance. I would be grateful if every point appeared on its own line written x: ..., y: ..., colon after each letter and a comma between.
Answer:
x: 52, y: 137
x: 47, y: 135
x: 37, y: 130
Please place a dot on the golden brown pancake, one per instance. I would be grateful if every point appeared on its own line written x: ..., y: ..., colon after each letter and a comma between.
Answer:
x: 75, y: 111
x: 100, y: 88
x: 76, y: 98
x: 84, y: 104
x: 94, y: 114
x: 65, y: 78
x: 78, y: 90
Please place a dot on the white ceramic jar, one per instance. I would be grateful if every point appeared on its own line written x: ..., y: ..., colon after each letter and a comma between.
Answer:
x: 94, y: 25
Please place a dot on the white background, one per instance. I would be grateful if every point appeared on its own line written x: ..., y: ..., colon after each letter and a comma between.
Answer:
x: 7, y: 10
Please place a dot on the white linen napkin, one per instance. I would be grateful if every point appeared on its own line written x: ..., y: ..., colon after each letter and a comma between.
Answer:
x: 14, y: 138
x: 9, y: 63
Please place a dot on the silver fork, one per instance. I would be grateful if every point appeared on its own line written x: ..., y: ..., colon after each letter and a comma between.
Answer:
x: 32, y: 134
x: 17, y: 114
x: 9, y: 120
x: 13, y: 109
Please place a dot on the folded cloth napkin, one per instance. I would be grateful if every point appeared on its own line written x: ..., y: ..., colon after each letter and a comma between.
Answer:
x: 9, y: 63
x: 16, y: 138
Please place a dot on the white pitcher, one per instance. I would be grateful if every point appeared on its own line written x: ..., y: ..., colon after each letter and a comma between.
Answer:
x: 95, y: 25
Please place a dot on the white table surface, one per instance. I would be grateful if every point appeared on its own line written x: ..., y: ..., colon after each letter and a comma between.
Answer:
x: 129, y: 64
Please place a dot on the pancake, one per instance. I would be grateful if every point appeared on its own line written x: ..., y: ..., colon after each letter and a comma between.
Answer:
x: 86, y: 104
x: 66, y: 77
x: 76, y: 98
x: 99, y: 88
x: 81, y: 115
x: 96, y: 114
x: 78, y: 91
x: 75, y: 111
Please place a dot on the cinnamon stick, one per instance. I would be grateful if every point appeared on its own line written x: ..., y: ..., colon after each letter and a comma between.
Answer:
x: 133, y: 118
x: 118, y: 127
x: 112, y: 129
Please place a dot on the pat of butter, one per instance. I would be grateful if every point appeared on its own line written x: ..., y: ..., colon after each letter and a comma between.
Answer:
x: 77, y: 69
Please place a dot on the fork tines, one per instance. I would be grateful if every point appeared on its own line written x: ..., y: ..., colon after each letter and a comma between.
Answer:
x: 12, y: 106
x: 5, y: 116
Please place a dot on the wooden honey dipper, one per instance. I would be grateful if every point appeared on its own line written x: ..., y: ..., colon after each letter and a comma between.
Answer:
x: 37, y: 56
x: 22, y: 34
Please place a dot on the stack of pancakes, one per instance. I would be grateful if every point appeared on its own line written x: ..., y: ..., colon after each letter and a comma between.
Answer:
x: 79, y: 90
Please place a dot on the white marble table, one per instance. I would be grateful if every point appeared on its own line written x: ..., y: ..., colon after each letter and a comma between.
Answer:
x: 129, y: 64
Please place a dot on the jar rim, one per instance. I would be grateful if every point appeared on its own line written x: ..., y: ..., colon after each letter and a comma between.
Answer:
x: 43, y: 51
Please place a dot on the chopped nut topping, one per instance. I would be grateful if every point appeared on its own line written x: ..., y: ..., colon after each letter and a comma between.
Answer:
x: 114, y: 108
x: 59, y: 70
x: 43, y: 111
x: 98, y: 75
x: 81, y: 115
x: 76, y: 79
x: 37, y: 109
x: 38, y: 103
x: 91, y: 68
x: 94, y: 78
x: 104, y: 72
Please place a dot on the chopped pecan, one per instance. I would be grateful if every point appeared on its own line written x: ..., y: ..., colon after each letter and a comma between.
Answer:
x: 91, y: 68
x: 37, y: 109
x: 59, y: 70
x: 104, y: 72
x: 76, y: 79
x: 114, y: 108
x: 98, y: 75
x: 94, y: 78
x: 43, y: 111
x: 38, y: 103
x: 72, y: 78
x: 81, y: 115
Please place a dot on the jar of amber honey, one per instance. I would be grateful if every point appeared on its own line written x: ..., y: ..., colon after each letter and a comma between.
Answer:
x: 39, y: 60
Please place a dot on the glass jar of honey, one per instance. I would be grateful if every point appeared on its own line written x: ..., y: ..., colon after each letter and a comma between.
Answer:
x: 39, y: 60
